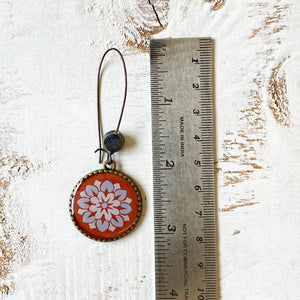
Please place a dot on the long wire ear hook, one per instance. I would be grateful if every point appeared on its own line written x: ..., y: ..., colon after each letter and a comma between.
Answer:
x: 113, y: 140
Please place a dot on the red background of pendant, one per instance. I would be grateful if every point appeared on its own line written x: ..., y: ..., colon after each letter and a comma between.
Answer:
x: 125, y: 185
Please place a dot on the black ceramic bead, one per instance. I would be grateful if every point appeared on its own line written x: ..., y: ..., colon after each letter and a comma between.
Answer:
x: 113, y: 141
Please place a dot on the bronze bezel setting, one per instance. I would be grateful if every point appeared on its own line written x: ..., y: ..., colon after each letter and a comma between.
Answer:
x: 129, y: 180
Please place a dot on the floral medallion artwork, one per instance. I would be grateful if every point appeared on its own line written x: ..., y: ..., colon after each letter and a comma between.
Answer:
x: 105, y: 205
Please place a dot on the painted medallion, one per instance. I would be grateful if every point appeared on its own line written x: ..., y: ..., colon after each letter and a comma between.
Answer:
x: 105, y: 205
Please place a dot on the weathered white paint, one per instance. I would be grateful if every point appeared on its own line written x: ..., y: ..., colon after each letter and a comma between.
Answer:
x: 49, y: 55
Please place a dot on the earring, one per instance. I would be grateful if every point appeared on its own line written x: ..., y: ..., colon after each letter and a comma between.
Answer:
x: 106, y: 204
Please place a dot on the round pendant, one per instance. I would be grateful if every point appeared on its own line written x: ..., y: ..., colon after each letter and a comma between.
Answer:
x: 105, y: 205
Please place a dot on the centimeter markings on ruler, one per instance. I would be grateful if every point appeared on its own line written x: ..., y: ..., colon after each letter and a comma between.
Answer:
x: 183, y: 168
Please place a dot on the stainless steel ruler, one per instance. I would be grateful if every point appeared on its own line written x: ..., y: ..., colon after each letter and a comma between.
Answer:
x: 183, y: 168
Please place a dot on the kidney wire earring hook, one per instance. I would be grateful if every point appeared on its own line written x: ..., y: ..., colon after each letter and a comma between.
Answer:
x: 106, y: 204
x: 113, y: 140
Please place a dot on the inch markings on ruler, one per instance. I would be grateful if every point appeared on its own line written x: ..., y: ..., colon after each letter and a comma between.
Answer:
x: 183, y: 168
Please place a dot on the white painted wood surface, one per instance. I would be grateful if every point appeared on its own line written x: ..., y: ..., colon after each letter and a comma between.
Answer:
x: 49, y: 55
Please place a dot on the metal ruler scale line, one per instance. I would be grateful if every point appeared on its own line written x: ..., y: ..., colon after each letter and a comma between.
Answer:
x: 183, y: 168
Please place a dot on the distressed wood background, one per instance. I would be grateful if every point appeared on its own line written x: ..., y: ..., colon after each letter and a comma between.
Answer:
x: 49, y: 55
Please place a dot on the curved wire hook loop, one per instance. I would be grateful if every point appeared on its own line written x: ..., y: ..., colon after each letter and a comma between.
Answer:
x: 100, y: 149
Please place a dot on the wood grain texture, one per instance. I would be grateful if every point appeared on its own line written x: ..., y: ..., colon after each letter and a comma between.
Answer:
x: 135, y: 20
x: 13, y: 241
x: 279, y: 103
x: 217, y: 4
x: 49, y: 55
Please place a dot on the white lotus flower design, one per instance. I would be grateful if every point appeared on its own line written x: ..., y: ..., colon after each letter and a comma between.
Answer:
x: 104, y: 206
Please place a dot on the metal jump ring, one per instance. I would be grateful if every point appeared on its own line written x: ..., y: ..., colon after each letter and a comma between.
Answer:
x: 109, y: 165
